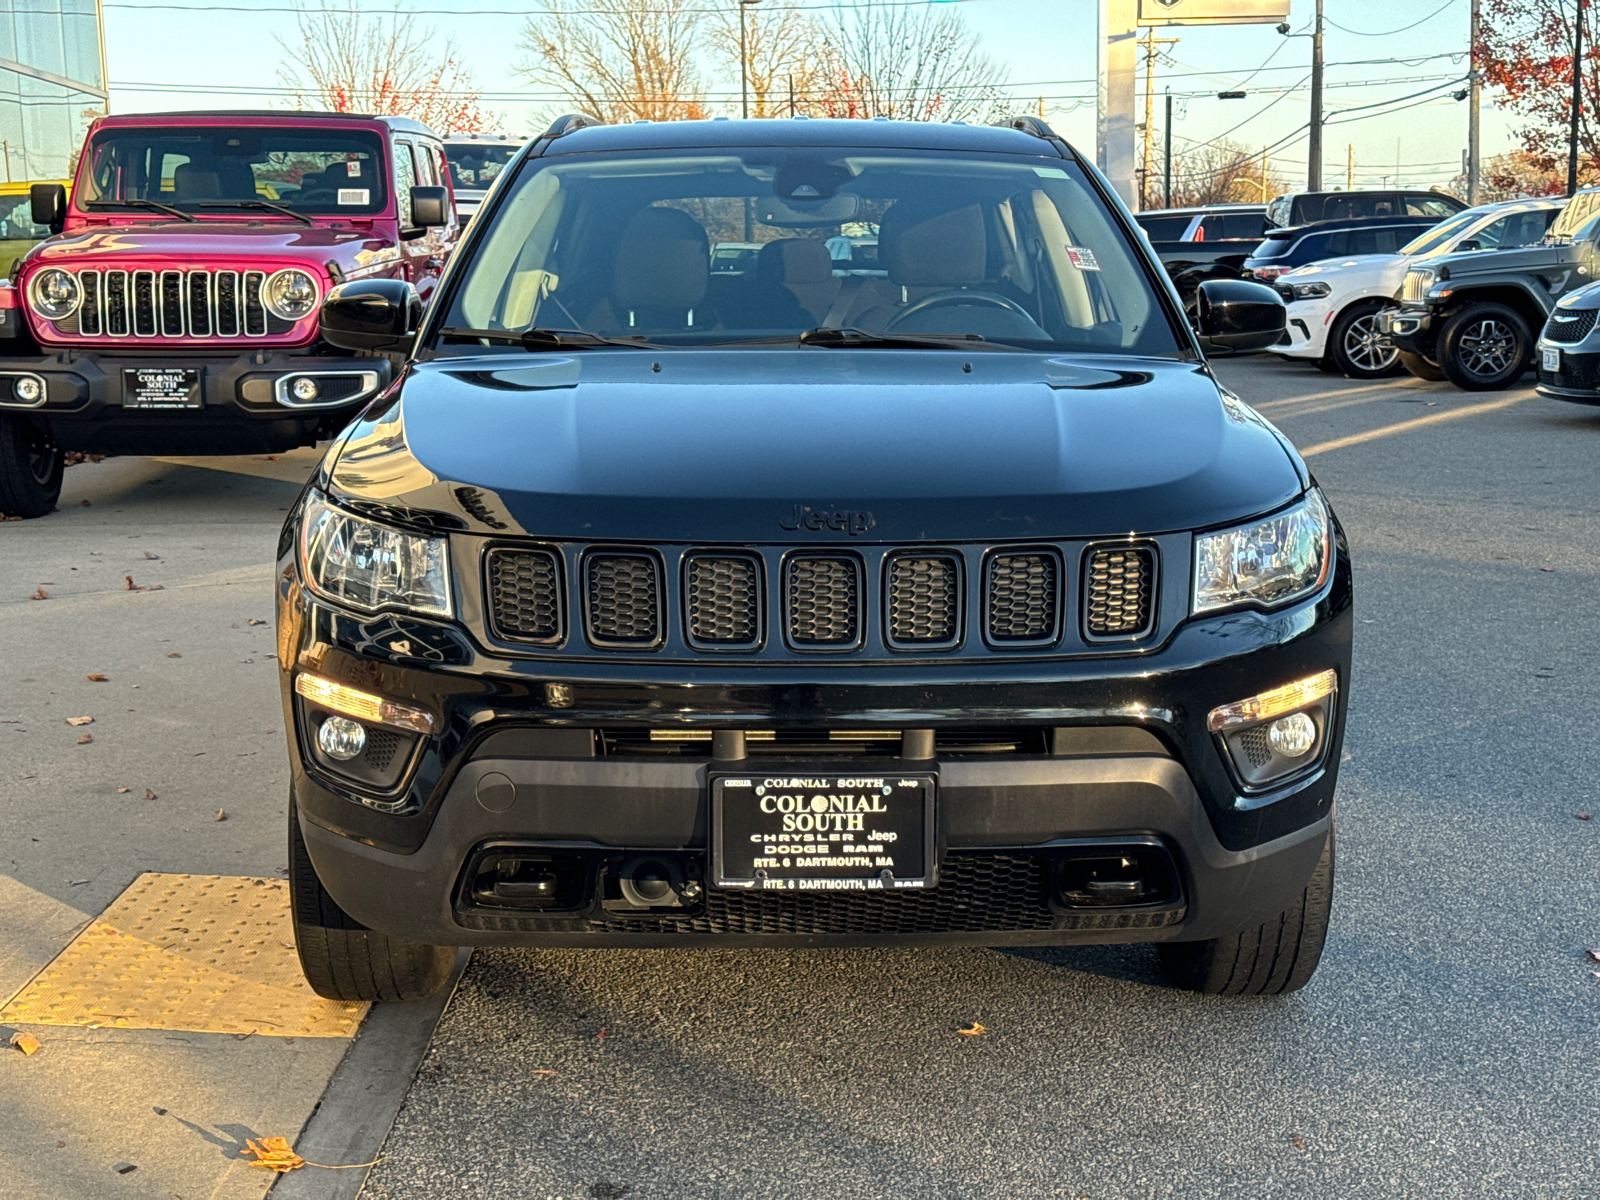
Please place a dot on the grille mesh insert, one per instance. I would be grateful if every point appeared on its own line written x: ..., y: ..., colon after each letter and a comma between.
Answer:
x: 723, y: 598
x: 525, y: 594
x: 1022, y: 597
x: 924, y: 600
x: 823, y: 606
x: 1257, y: 746
x: 624, y: 599
x: 1118, y: 591
x: 1568, y: 326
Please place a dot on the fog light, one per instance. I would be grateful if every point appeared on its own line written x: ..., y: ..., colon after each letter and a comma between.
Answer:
x: 341, y: 738
x: 27, y: 389
x: 305, y: 389
x: 1293, y: 736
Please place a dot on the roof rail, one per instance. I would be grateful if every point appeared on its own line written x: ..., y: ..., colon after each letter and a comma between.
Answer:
x: 1024, y: 123
x: 570, y: 123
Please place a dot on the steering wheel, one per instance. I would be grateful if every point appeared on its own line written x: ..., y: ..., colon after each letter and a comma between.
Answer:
x: 953, y: 297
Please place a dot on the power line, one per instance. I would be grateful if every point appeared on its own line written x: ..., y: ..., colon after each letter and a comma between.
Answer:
x: 1391, y: 32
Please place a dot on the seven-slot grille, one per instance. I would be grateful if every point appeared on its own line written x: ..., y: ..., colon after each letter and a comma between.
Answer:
x: 1117, y: 595
x: 525, y: 595
x: 822, y: 601
x: 1415, y: 286
x: 223, y: 304
x: 624, y: 599
x: 1567, y: 325
x: 1022, y: 596
x: 924, y: 600
x: 722, y: 595
x: 726, y: 597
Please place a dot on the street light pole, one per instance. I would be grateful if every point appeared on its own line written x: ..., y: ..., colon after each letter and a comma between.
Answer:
x: 744, y: 62
x: 1577, y: 98
x: 1168, y: 171
x: 1473, y: 147
x: 1314, y: 166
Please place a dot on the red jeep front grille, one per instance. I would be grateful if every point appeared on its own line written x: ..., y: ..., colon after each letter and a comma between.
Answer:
x: 120, y: 304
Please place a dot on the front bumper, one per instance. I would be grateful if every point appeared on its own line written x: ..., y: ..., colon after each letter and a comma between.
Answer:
x: 245, y: 405
x: 520, y: 762
x: 1306, y: 328
x: 1577, y: 376
x: 1411, y: 329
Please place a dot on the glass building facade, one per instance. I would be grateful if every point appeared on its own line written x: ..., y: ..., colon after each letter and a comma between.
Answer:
x: 52, y: 84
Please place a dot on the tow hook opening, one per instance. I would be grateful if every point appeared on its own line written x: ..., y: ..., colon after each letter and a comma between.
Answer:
x: 1117, y: 877
x: 523, y: 879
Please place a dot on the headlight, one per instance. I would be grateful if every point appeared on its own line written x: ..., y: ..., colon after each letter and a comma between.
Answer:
x: 370, y: 566
x: 55, y: 294
x: 1269, y: 562
x: 290, y: 295
x: 1311, y: 291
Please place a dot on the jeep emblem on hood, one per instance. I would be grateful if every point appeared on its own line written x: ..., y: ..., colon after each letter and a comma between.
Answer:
x: 845, y: 520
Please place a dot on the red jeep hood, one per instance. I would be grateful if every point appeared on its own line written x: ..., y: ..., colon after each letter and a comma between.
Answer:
x: 194, y: 243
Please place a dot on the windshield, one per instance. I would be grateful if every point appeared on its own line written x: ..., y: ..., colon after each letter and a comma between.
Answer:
x: 473, y: 166
x: 1440, y: 234
x: 332, y: 171
x: 1015, y: 250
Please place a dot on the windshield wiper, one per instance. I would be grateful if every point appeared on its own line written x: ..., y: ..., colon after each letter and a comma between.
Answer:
x: 548, y: 339
x: 267, y: 204
x: 847, y: 337
x: 156, y: 204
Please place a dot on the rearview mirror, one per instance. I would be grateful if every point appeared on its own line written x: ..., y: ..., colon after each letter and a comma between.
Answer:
x: 380, y: 315
x: 49, y: 204
x: 1235, y: 315
x: 430, y: 206
x: 1469, y: 245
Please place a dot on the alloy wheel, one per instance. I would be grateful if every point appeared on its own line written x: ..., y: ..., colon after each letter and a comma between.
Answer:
x: 1363, y: 345
x: 1487, y: 347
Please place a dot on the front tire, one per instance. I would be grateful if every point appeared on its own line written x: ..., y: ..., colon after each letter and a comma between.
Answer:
x: 1485, y: 347
x: 31, y: 467
x: 1270, y: 960
x: 1422, y: 368
x: 343, y: 959
x: 1353, y: 345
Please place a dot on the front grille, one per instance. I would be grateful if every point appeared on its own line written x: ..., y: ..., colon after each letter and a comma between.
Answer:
x: 1415, y: 286
x: 1023, y: 596
x: 525, y: 595
x: 624, y: 600
x: 723, y: 599
x: 924, y: 600
x: 822, y: 601
x: 1119, y: 591
x: 119, y: 303
x: 1569, y: 326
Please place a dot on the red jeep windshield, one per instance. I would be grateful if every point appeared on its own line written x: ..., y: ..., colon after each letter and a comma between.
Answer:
x: 333, y: 172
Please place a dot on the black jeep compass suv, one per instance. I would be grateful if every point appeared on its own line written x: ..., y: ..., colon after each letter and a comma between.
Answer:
x: 942, y: 600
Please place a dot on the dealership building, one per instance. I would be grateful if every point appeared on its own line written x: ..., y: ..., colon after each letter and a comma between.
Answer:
x: 52, y: 84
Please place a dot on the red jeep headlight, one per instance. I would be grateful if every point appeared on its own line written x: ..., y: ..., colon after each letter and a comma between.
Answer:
x: 290, y: 294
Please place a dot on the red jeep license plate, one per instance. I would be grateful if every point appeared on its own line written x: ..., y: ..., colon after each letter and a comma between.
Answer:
x: 161, y: 387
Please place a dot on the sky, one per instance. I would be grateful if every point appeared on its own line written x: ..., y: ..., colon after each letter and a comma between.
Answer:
x: 224, y: 53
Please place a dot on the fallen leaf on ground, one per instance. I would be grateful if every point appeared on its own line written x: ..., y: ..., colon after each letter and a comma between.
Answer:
x: 97, y: 677
x: 601, y: 1036
x: 129, y: 585
x: 40, y: 594
x: 149, y: 795
x: 274, y: 1153
x: 1298, y: 1142
x: 85, y: 503
x: 124, y: 1168
x: 971, y: 1029
x: 222, y: 815
x: 1594, y: 954
x: 85, y: 739
x: 122, y: 791
x: 174, y: 654
x: 80, y: 720
x: 254, y: 621
x: 156, y: 587
x: 152, y: 557
x: 26, y: 1042
x: 1583, y: 816
x: 1548, y: 570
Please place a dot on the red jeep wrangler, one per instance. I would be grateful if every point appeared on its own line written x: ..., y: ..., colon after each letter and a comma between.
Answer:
x: 175, y: 310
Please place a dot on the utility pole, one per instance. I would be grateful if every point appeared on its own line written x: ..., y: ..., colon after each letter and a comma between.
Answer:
x: 744, y: 65
x: 1350, y: 162
x: 1473, y: 146
x: 1263, y: 174
x: 1314, y: 166
x: 1577, y: 99
x: 1150, y: 42
x: 1168, y: 172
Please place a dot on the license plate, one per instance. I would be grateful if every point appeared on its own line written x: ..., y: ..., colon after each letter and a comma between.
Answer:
x: 1552, y: 358
x: 803, y: 832
x: 161, y: 387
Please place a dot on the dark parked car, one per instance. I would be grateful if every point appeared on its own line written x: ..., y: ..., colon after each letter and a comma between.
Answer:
x: 1304, y: 208
x: 1567, y: 356
x: 1470, y: 317
x: 1207, y: 223
x: 957, y: 605
x: 1285, y: 249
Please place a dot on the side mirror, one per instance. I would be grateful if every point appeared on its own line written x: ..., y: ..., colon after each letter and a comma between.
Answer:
x: 430, y: 206
x: 1235, y: 315
x: 380, y: 315
x: 49, y: 203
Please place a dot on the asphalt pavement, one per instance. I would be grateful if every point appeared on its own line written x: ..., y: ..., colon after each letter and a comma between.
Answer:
x: 1446, y: 1047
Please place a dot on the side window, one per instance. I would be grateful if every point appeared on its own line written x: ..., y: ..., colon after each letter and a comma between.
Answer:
x: 405, y: 178
x: 1429, y: 206
x: 1320, y: 246
x: 167, y: 183
x: 1241, y: 225
x: 1495, y: 234
x: 427, y: 173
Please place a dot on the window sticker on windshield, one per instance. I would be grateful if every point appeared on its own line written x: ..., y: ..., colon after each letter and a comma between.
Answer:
x: 361, y: 195
x: 352, y: 169
x: 1050, y: 172
x: 1079, y: 256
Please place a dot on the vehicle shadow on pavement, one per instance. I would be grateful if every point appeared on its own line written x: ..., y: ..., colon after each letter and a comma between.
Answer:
x: 1129, y: 964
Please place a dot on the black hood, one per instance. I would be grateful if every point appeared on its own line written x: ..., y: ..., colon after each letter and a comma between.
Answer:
x: 815, y: 444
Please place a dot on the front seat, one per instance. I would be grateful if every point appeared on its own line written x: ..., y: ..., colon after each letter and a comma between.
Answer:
x: 191, y: 181
x: 800, y: 268
x: 663, y: 265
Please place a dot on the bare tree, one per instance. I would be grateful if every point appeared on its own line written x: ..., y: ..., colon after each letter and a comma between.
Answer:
x: 356, y: 61
x: 917, y: 64
x: 784, y: 55
x: 618, y: 60
x: 1220, y: 172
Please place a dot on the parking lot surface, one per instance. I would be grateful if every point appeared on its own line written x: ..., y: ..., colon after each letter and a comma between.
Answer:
x: 1445, y: 1047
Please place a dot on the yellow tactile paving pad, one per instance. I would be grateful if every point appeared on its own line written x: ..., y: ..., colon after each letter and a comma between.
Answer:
x: 203, y: 953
